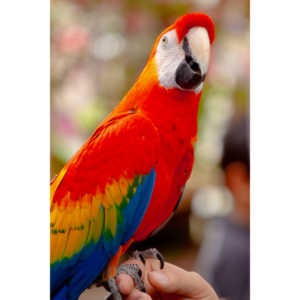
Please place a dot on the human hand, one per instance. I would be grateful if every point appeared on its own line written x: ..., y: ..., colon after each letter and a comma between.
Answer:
x: 170, y: 283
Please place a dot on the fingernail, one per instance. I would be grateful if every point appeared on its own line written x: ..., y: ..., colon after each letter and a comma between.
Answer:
x: 159, y: 277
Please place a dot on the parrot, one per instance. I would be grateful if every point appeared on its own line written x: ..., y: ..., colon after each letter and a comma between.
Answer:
x: 127, y: 179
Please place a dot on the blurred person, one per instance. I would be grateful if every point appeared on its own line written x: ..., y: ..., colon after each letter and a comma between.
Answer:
x: 224, y: 258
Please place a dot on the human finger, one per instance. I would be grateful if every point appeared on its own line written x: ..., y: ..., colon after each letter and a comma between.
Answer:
x: 137, y: 295
x: 174, y: 280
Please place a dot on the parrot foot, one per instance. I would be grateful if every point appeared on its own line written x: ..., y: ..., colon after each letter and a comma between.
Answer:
x: 133, y: 271
x: 149, y: 253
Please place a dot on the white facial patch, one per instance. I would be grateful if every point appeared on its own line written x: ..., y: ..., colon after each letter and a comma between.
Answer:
x: 170, y: 54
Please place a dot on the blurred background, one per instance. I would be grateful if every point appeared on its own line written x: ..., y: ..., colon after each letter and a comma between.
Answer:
x: 98, y: 48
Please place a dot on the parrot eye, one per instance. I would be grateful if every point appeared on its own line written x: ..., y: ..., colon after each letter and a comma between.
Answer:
x: 165, y: 40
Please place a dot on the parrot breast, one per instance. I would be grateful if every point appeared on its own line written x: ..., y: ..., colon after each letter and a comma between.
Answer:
x: 174, y: 115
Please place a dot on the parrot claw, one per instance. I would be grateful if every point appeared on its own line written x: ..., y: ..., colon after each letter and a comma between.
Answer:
x: 113, y: 288
x: 149, y: 253
x: 133, y: 271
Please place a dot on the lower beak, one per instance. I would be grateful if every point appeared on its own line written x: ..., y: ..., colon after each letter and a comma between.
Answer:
x: 188, y: 74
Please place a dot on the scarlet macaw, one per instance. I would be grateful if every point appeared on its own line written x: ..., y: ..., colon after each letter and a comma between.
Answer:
x: 128, y: 177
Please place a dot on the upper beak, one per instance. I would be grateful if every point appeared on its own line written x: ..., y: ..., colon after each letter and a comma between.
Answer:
x: 192, y: 70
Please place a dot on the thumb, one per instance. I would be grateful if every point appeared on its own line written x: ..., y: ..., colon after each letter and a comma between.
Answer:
x: 160, y: 281
x: 181, y: 283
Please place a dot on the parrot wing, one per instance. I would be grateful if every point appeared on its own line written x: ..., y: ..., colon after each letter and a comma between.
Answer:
x: 99, y: 199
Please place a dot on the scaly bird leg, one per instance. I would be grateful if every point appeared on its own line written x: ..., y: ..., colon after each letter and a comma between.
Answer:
x: 134, y: 272
x: 149, y: 253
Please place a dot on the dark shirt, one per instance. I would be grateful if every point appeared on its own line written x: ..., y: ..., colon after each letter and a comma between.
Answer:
x: 224, y: 259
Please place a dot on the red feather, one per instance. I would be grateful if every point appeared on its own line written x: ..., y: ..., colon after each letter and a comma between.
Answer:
x: 184, y: 24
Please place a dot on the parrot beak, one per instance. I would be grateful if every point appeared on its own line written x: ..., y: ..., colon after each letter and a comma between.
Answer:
x: 192, y: 70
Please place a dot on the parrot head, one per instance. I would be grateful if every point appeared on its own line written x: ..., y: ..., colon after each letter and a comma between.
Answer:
x: 181, y: 53
x: 176, y: 68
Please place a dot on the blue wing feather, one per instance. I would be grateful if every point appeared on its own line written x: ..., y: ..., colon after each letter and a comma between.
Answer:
x: 70, y: 277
